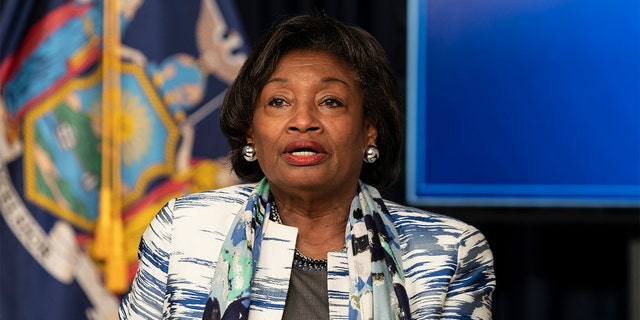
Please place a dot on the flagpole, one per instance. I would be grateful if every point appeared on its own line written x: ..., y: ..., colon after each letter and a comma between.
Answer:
x: 109, y: 238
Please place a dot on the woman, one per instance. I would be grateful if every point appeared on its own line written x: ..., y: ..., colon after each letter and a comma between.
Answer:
x: 313, y: 122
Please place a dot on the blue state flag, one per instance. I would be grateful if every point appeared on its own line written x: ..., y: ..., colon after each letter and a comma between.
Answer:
x: 107, y: 110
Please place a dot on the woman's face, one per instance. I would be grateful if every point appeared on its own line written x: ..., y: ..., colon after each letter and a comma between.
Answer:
x: 309, y: 130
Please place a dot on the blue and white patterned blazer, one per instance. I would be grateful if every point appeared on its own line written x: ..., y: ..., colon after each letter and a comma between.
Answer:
x: 448, y: 265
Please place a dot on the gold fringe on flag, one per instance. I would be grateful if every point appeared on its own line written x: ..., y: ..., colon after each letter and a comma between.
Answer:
x: 109, y: 240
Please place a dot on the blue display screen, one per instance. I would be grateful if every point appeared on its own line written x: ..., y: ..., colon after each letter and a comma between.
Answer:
x: 523, y: 103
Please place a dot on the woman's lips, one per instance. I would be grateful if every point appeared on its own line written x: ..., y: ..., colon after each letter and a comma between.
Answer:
x: 304, y: 153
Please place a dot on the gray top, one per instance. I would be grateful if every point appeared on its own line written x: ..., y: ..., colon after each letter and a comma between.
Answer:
x: 308, y: 296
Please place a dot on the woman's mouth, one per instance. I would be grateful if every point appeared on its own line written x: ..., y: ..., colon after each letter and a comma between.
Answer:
x: 304, y: 153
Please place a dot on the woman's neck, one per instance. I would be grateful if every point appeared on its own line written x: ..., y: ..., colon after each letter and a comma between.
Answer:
x: 319, y: 230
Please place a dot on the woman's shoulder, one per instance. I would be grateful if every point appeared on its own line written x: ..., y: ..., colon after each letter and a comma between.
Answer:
x: 416, y: 220
x: 437, y: 235
x: 229, y: 195
x: 198, y: 208
x: 408, y: 212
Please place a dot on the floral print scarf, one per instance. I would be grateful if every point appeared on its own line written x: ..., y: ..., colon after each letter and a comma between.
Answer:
x: 375, y: 270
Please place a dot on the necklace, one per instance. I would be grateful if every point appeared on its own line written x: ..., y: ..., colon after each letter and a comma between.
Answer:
x: 300, y: 260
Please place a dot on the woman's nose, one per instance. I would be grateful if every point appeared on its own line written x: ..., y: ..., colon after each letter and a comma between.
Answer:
x: 304, y: 118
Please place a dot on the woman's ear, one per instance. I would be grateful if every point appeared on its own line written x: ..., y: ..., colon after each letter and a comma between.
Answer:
x: 249, y: 135
x: 372, y: 134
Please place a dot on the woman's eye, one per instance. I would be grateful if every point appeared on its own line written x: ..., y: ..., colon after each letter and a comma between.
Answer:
x: 277, y: 102
x: 332, y: 102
